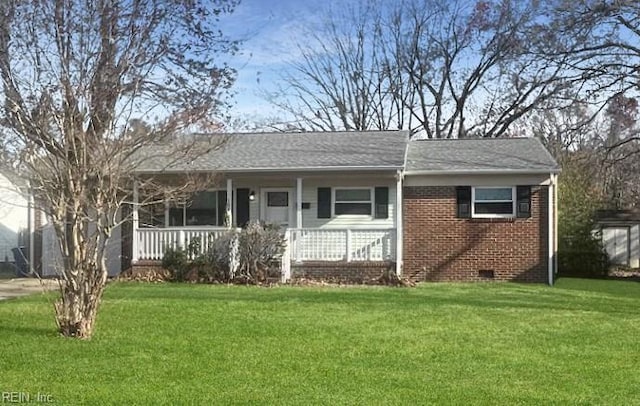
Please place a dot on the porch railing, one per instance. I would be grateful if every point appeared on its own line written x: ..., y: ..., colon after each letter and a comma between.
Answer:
x: 306, y: 244
x: 152, y: 242
x: 319, y: 244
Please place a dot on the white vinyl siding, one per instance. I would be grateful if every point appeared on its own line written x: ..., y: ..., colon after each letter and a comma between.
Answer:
x: 13, y: 218
x: 310, y: 195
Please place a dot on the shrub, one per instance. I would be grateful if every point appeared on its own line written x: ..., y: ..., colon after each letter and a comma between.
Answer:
x: 257, y: 249
x: 218, y: 257
x: 175, y: 261
x: 260, y: 248
x: 582, y: 255
x: 580, y: 252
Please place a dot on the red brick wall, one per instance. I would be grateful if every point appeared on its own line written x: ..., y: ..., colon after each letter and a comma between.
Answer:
x: 340, y: 272
x: 440, y: 247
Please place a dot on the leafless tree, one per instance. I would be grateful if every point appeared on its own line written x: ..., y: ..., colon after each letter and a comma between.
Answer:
x: 346, y: 78
x: 445, y: 69
x: 600, y: 39
x: 75, y: 76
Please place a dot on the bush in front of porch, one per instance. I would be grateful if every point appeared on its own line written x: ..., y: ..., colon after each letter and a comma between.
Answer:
x: 251, y: 255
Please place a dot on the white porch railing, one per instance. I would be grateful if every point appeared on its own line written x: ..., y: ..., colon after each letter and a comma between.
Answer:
x: 152, y: 242
x: 319, y: 244
x: 306, y: 244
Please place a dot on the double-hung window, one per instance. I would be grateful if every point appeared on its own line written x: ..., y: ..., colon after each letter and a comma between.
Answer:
x: 493, y: 202
x: 353, y: 201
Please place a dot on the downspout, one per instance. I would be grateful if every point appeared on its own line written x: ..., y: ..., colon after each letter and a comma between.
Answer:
x: 550, y: 228
x: 399, y: 228
x: 555, y: 222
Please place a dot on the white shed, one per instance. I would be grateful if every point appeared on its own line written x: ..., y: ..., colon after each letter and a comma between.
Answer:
x: 620, y: 232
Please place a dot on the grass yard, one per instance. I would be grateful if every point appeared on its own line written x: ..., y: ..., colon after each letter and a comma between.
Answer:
x: 578, y: 342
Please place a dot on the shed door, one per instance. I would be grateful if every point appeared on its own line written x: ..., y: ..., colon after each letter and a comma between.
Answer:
x: 616, y: 243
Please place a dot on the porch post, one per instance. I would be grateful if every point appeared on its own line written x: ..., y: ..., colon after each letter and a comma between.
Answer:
x: 32, y: 230
x: 299, y: 203
x: 399, y: 229
x: 229, y: 209
x: 134, y: 240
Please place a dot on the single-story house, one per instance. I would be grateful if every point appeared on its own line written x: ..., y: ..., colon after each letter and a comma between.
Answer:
x: 356, y: 203
x: 620, y: 233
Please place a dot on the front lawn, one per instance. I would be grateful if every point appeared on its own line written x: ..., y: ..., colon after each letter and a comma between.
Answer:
x: 578, y: 342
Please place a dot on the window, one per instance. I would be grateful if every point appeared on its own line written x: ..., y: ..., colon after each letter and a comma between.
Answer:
x: 277, y: 199
x: 493, y: 202
x: 201, y: 210
x: 151, y: 215
x: 355, y: 201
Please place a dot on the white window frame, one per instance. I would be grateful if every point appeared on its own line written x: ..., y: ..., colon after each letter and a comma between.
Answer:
x: 493, y: 215
x: 371, y: 201
x: 183, y: 205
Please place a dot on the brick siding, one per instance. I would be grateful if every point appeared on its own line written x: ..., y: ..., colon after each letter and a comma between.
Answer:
x: 340, y: 272
x: 438, y: 246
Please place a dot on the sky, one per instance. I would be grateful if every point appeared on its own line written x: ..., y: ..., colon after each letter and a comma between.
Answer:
x: 271, y: 29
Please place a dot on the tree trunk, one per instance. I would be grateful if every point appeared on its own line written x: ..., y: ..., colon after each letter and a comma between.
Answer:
x: 77, y: 307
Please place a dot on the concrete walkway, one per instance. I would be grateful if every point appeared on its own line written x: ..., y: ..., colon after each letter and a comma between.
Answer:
x: 10, y: 288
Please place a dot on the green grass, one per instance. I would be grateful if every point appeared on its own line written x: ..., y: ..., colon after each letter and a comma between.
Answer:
x: 576, y: 343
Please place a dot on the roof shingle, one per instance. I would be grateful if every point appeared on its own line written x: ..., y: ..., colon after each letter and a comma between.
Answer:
x: 291, y: 151
x: 479, y: 155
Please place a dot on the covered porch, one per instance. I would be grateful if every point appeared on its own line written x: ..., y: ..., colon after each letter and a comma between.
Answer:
x: 325, y: 217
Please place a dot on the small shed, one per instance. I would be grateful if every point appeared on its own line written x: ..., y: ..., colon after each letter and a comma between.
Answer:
x: 620, y: 233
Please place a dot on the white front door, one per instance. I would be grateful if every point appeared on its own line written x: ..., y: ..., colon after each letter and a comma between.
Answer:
x: 277, y: 206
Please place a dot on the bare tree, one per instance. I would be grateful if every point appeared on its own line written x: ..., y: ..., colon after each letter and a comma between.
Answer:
x: 75, y: 75
x: 346, y: 76
x: 445, y: 69
x: 600, y: 40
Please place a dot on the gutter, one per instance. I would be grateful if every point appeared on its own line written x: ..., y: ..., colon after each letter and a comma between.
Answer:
x: 270, y: 169
x: 484, y: 172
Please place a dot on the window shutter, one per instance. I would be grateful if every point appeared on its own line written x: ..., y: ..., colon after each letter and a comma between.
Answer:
x: 381, y: 202
x: 222, y: 206
x: 523, y: 201
x: 324, y: 202
x: 242, y: 206
x: 463, y: 200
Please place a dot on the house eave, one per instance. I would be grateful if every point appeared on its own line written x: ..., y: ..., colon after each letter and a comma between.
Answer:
x: 483, y: 172
x: 274, y: 170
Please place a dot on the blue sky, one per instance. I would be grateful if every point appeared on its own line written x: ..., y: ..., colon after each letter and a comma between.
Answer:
x: 271, y: 29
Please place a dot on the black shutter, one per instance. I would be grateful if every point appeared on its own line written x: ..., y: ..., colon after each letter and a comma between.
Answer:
x: 222, y: 206
x: 324, y: 202
x: 242, y: 207
x: 463, y: 200
x: 382, y: 203
x: 523, y: 201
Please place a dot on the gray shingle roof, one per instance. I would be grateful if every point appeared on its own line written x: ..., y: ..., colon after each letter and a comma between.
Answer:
x: 290, y: 151
x: 479, y: 155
